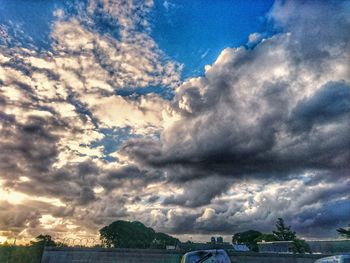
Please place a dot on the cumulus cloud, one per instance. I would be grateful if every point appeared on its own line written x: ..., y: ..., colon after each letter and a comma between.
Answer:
x: 272, y: 112
x: 54, y: 109
x: 254, y: 38
x: 144, y: 115
x: 242, y: 116
x: 262, y: 134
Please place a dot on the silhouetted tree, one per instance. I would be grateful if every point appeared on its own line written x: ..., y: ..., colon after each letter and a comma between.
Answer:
x: 267, y: 237
x: 41, y: 242
x: 248, y: 238
x: 283, y: 232
x: 125, y: 234
x: 300, y: 246
x: 345, y: 232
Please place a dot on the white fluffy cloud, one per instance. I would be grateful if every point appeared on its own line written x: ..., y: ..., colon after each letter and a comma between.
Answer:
x: 269, y: 113
x: 263, y: 134
x: 55, y: 104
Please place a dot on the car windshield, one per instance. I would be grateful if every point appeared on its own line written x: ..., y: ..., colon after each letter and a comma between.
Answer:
x: 204, y: 258
x: 208, y: 256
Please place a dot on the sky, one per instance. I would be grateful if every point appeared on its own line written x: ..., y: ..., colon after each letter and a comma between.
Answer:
x: 197, y: 118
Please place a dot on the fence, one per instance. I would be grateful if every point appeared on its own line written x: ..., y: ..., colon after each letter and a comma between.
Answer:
x: 10, y: 252
x: 88, y: 250
x: 122, y: 255
x: 110, y: 255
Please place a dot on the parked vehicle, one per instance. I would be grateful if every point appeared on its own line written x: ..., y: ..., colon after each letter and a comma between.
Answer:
x: 335, y: 259
x: 206, y: 256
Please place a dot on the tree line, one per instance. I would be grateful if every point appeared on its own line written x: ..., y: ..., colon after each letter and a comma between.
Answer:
x: 281, y: 233
x: 30, y: 253
x: 125, y: 234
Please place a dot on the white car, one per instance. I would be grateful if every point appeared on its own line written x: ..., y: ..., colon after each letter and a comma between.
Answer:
x: 335, y: 259
x: 206, y: 256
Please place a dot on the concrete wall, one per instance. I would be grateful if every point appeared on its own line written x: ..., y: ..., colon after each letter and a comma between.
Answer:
x: 330, y: 246
x: 95, y: 255
x: 249, y: 257
x: 99, y: 255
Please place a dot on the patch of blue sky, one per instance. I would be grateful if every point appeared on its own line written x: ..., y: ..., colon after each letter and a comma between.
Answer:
x: 104, y: 24
x: 192, y: 32
x: 29, y: 23
x: 195, y: 32
x: 112, y: 140
x: 99, y: 21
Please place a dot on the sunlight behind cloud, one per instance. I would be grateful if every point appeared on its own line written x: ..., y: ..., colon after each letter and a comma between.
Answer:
x: 16, y: 197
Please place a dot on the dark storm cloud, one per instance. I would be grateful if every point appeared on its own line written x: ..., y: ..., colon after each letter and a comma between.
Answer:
x: 331, y: 103
x: 130, y: 174
x: 255, y: 150
x: 182, y: 223
x: 246, y: 119
x: 48, y: 119
x: 327, y: 194
x: 153, y: 198
x: 15, y: 217
x: 199, y: 193
x: 30, y: 149
x: 63, y: 211
x: 263, y: 134
x: 72, y: 184
x: 29, y: 146
x: 312, y: 211
x: 86, y: 196
x: 276, y: 116
x: 324, y: 220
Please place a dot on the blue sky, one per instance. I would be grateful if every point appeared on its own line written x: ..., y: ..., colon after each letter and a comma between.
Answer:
x: 194, y: 33
x: 203, y: 27
x: 198, y: 118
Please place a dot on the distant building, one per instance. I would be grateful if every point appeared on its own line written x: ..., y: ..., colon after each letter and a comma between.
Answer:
x: 168, y: 247
x: 276, y: 247
x: 329, y: 246
x: 219, y: 240
x: 240, y: 248
x: 212, y: 240
x: 191, y: 246
x: 316, y: 246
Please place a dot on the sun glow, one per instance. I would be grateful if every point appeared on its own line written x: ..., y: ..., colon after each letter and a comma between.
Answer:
x: 12, y: 196
x: 15, y: 197
x: 3, y: 239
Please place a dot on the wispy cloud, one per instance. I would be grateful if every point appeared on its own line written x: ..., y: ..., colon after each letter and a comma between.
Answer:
x: 55, y: 104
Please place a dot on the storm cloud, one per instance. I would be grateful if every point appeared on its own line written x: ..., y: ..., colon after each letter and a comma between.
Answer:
x: 274, y: 112
x: 263, y: 133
